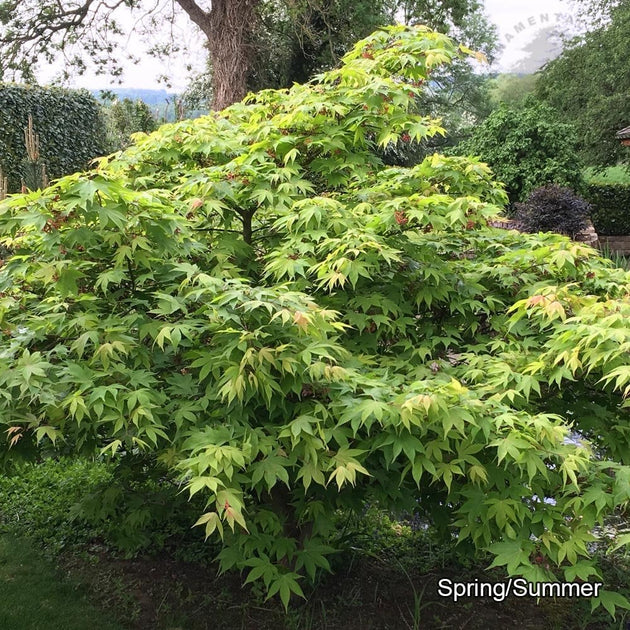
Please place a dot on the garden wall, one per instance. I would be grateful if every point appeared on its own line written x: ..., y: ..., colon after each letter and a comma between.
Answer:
x: 615, y: 244
x: 587, y: 236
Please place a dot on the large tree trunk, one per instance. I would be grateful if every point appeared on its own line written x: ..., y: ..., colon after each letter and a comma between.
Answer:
x: 232, y: 23
x: 229, y: 26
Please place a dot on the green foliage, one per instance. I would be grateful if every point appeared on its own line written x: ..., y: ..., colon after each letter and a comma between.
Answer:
x: 588, y: 86
x: 254, y: 301
x: 596, y: 11
x: 141, y: 508
x: 512, y: 89
x: 526, y: 148
x: 611, y: 207
x: 38, y: 500
x: 405, y: 541
x: 553, y: 209
x: 68, y: 123
x: 124, y: 118
x: 130, y: 508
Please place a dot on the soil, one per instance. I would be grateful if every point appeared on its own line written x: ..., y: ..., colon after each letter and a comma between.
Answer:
x: 166, y: 594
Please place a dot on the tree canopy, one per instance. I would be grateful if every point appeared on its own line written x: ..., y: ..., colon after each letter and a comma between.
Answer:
x: 527, y: 148
x: 588, y: 86
x: 254, y: 302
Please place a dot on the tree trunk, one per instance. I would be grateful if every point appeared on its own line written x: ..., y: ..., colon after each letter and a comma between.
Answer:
x: 246, y: 216
x: 232, y: 23
x: 228, y: 26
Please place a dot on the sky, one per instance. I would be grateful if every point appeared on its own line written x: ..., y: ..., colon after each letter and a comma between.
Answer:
x: 146, y: 73
x: 521, y: 24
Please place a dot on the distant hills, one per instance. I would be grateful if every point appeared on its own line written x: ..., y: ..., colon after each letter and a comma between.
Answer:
x: 150, y: 97
x: 162, y: 103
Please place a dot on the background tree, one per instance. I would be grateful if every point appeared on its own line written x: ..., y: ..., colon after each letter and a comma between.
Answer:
x: 527, y: 148
x: 511, y: 89
x: 310, y: 36
x: 588, y: 86
x: 124, y: 118
x: 297, y: 39
x: 595, y: 12
x: 33, y: 30
x: 252, y: 44
x: 305, y: 37
x: 459, y: 94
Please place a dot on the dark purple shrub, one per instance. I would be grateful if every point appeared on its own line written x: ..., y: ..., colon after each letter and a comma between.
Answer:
x: 553, y: 209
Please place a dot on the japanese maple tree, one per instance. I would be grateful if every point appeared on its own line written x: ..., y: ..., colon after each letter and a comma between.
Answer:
x: 256, y: 302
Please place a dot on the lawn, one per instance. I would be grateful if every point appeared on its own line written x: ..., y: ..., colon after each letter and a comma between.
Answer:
x: 612, y: 175
x: 36, y: 597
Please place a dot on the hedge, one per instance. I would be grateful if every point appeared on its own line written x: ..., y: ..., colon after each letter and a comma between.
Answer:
x: 610, y: 211
x: 69, y: 124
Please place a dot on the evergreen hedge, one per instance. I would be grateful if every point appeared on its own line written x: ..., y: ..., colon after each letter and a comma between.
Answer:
x: 69, y: 124
x: 610, y: 211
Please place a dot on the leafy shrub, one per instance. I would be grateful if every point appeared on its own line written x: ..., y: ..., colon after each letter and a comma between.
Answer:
x: 66, y: 502
x: 586, y: 85
x: 68, y: 122
x: 553, y: 209
x: 142, y: 508
x: 254, y: 301
x: 610, y: 208
x: 526, y: 148
x: 38, y: 500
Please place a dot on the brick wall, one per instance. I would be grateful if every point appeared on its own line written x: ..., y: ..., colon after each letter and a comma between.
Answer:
x: 588, y: 236
x: 619, y: 244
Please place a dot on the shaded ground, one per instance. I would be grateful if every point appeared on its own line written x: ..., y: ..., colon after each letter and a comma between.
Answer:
x: 386, y: 579
x: 163, y: 594
x: 33, y: 597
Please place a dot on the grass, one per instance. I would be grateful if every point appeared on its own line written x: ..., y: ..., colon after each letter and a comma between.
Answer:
x: 612, y: 175
x: 35, y: 598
